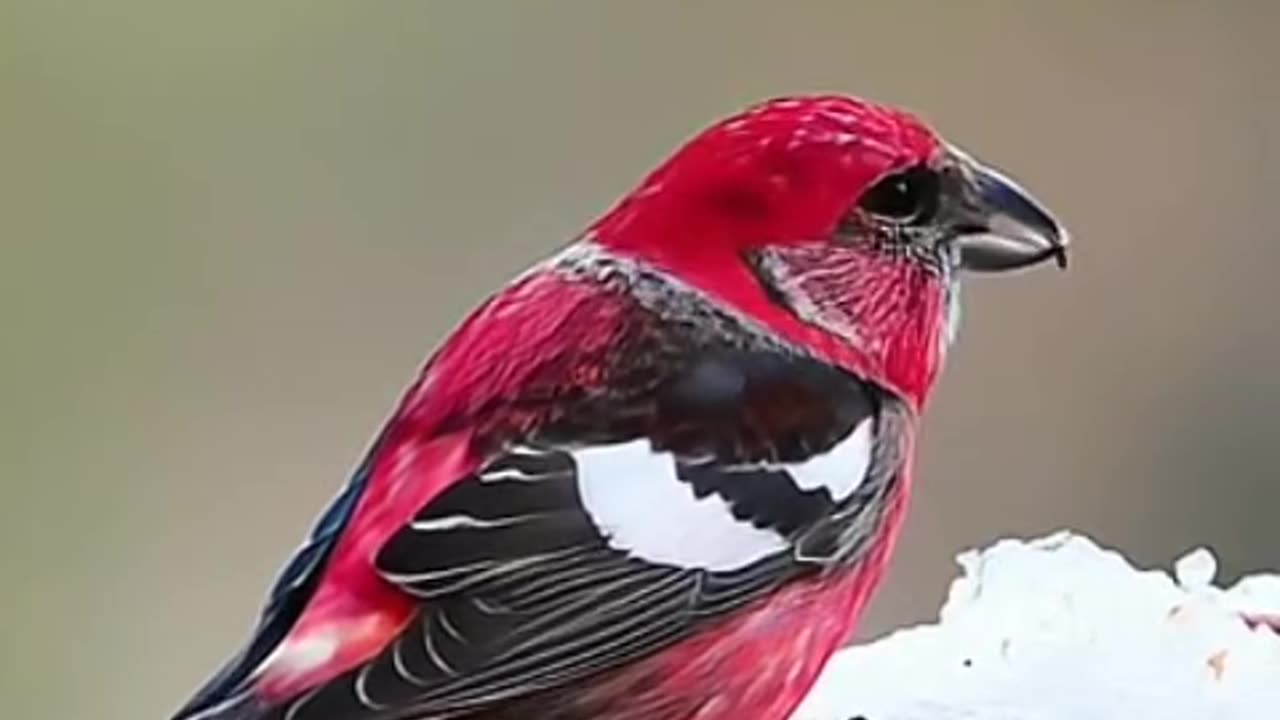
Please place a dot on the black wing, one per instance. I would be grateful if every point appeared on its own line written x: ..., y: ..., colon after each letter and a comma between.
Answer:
x: 522, y: 588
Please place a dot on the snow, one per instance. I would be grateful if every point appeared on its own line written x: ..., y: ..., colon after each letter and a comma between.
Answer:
x: 1058, y: 628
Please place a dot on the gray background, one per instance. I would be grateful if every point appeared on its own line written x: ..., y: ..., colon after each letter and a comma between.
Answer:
x: 230, y: 231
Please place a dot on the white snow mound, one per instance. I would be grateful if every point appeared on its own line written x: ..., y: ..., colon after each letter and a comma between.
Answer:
x: 1060, y: 629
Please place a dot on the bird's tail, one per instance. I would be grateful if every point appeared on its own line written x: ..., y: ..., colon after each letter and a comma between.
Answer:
x: 240, y: 706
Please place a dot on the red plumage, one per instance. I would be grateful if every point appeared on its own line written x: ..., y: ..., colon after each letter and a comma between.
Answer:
x: 777, y: 294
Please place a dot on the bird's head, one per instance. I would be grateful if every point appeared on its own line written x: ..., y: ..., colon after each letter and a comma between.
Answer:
x: 839, y: 224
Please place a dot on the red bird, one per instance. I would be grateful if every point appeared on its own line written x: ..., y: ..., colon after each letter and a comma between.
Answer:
x: 657, y: 476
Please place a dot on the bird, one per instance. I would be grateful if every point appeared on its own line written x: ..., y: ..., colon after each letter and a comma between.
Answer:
x: 658, y: 475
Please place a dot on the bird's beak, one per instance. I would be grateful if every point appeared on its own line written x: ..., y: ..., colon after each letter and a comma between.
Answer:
x: 998, y: 226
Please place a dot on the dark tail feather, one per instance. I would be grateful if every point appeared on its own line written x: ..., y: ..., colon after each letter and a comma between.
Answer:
x: 228, y: 695
x: 242, y: 706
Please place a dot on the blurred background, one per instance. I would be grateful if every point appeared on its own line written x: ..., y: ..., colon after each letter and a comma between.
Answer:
x: 229, y: 233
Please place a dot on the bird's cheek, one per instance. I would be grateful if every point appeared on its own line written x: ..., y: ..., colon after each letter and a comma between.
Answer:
x: 817, y: 283
x: 886, y: 309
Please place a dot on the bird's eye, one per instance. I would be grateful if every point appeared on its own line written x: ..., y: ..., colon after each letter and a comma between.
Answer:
x: 910, y: 196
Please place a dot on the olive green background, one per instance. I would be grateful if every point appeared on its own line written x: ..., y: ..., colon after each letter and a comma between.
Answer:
x: 230, y: 231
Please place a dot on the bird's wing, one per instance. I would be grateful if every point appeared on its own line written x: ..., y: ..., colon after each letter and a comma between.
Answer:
x: 596, y: 542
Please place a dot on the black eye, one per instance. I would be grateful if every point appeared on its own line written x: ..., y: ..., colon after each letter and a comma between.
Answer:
x: 910, y: 196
